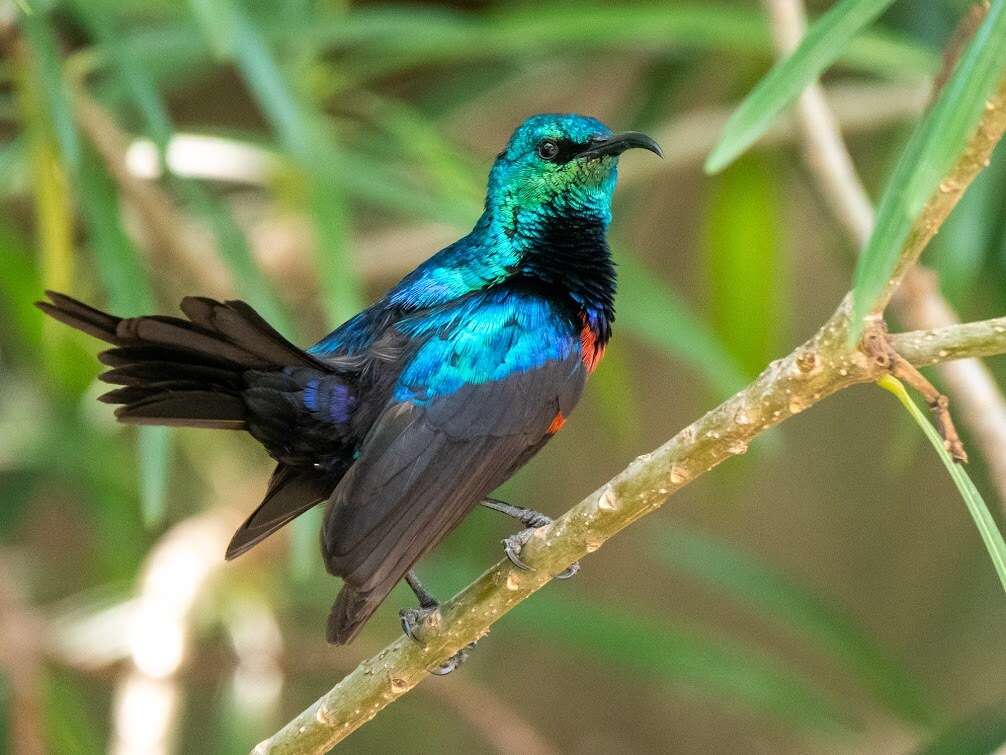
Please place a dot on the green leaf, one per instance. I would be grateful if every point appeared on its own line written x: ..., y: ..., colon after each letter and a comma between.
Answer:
x: 743, y: 261
x: 50, y: 137
x: 654, y: 313
x: 937, y: 142
x: 287, y: 114
x: 824, y: 42
x: 801, y: 611
x: 119, y: 265
x: 980, y: 513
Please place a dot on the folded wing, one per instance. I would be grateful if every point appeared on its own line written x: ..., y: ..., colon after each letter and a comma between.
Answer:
x: 423, y: 467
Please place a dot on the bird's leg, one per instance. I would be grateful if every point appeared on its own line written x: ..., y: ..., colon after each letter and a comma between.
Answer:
x: 531, y: 520
x: 412, y: 617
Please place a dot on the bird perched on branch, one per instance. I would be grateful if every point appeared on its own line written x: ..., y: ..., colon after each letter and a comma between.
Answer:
x: 408, y: 415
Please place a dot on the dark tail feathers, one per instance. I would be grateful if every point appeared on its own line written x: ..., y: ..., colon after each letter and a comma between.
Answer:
x: 351, y: 610
x: 182, y: 372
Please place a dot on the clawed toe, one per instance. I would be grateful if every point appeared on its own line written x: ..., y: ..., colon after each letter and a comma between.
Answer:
x: 570, y: 571
x: 452, y: 663
x: 514, y: 544
x: 535, y: 519
x: 412, y: 619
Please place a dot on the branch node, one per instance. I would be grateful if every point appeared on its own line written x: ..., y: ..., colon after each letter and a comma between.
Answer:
x: 876, y: 344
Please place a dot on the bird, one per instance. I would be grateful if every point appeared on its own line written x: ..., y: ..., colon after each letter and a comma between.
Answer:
x: 408, y: 415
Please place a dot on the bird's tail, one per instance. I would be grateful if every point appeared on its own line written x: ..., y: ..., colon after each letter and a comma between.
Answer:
x: 176, y: 371
x: 351, y: 610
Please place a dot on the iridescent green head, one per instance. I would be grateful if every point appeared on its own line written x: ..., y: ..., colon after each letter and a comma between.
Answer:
x: 559, y: 164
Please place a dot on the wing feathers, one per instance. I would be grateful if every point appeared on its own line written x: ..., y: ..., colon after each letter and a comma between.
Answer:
x: 422, y: 468
x: 291, y: 493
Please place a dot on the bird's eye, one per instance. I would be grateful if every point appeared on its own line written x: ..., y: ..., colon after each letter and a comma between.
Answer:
x: 548, y: 149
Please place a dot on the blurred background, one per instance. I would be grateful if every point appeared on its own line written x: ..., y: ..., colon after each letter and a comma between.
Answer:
x: 827, y: 592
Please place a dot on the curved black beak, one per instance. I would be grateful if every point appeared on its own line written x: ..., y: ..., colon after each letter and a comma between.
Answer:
x: 616, y: 144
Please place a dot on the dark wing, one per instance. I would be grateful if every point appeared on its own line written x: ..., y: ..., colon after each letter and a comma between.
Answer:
x: 292, y: 491
x: 423, y: 467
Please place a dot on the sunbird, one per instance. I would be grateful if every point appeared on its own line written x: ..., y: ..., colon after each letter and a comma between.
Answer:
x: 411, y: 413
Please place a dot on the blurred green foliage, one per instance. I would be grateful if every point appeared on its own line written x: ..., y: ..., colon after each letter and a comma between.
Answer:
x: 365, y: 131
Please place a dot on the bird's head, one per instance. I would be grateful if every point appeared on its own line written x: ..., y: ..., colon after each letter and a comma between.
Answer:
x: 558, y: 165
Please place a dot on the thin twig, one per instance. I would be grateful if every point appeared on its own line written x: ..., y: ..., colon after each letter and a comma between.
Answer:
x: 938, y: 404
x: 939, y: 345
x: 918, y: 303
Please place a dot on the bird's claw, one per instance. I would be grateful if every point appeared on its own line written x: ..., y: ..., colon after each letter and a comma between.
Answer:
x: 412, y: 624
x: 514, y: 544
x: 569, y: 572
x: 536, y: 519
x: 452, y: 663
x: 412, y: 620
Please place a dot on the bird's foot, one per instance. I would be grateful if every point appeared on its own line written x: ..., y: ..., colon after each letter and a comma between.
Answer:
x: 412, y: 620
x: 514, y: 544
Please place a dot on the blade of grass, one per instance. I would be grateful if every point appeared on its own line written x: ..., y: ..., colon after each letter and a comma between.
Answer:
x: 980, y: 513
x: 824, y: 42
x: 935, y: 144
x: 13, y: 166
x: 216, y: 19
x: 383, y: 39
x: 801, y: 611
